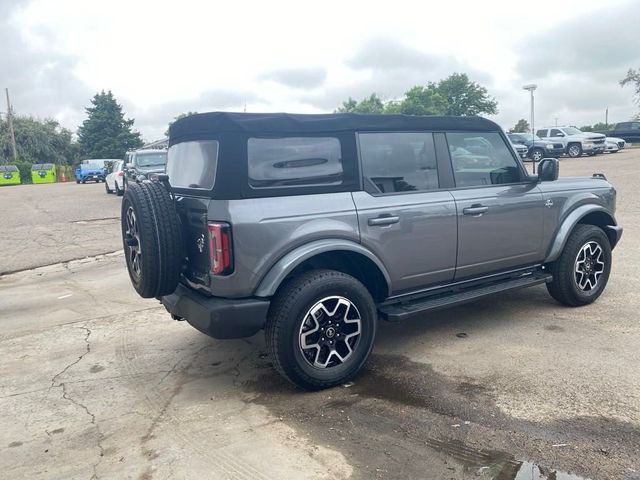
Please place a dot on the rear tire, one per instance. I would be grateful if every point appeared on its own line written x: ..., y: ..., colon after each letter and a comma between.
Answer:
x: 581, y: 272
x: 106, y: 187
x: 119, y: 192
x: 320, y: 329
x: 152, y: 239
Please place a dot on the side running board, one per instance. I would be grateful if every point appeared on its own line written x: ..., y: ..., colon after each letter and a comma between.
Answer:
x: 399, y: 311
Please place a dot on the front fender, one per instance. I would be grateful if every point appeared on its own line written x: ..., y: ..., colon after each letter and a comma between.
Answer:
x: 567, y: 225
x: 291, y: 260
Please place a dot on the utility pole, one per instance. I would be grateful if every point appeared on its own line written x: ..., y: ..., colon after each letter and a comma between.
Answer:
x: 606, y: 117
x: 11, y: 132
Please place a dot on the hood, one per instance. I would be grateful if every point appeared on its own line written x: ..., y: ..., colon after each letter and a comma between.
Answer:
x: 589, y: 135
x: 614, y: 139
x: 152, y: 169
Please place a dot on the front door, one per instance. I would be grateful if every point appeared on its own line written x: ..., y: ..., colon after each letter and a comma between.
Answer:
x: 500, y: 212
x: 403, y: 215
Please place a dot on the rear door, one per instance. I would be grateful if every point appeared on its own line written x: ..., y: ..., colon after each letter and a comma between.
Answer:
x: 404, y: 216
x: 499, y: 210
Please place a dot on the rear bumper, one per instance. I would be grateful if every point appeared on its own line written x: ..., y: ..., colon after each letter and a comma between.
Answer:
x: 218, y: 317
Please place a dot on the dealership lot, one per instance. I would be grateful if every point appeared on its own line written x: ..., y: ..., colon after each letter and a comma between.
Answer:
x: 98, y: 382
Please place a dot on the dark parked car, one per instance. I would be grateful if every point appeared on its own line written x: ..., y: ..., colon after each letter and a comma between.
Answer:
x: 140, y: 164
x: 628, y: 131
x: 313, y: 226
x: 537, y: 149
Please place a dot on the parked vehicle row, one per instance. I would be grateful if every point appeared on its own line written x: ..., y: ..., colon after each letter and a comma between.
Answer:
x: 564, y: 140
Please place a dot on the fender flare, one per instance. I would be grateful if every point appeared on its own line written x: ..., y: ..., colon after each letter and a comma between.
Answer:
x: 283, y: 267
x: 566, y: 227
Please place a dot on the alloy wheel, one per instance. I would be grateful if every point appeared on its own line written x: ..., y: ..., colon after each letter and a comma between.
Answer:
x: 589, y: 266
x: 330, y: 332
x: 132, y: 239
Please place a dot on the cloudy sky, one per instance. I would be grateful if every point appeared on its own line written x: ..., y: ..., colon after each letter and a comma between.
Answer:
x: 163, y: 58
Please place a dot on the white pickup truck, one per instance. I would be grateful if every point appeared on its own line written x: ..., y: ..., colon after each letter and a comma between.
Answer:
x: 575, y: 141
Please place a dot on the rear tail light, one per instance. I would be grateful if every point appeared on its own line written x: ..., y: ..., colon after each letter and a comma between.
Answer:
x: 220, y: 248
x: 120, y: 173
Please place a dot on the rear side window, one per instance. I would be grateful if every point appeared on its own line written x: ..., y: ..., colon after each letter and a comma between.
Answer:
x: 294, y: 162
x: 541, y: 133
x: 398, y: 162
x: 480, y: 159
x: 193, y: 164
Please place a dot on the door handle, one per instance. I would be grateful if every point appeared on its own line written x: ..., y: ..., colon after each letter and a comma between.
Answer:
x: 382, y: 221
x: 475, y: 210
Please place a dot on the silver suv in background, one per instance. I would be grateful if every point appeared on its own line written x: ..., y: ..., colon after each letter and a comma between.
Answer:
x: 575, y: 141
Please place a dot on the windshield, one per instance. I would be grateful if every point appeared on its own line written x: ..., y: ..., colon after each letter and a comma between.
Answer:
x: 151, y: 159
x: 571, y: 131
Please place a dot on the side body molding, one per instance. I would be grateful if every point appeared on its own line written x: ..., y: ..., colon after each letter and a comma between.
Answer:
x: 570, y: 221
x: 278, y: 272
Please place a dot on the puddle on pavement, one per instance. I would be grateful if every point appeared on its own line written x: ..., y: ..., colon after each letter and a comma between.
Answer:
x: 497, y: 465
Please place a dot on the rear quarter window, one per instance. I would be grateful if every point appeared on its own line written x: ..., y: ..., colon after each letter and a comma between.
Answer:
x: 294, y: 162
x: 193, y: 164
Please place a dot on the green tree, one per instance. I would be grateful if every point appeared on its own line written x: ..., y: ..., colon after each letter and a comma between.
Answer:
x: 586, y: 128
x: 106, y: 133
x: 178, y: 117
x: 521, y: 126
x: 372, y: 104
x: 421, y: 100
x: 464, y: 97
x: 455, y: 95
x: 632, y: 78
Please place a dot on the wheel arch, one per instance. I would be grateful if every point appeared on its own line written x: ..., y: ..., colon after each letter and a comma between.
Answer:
x: 341, y: 255
x: 586, y: 215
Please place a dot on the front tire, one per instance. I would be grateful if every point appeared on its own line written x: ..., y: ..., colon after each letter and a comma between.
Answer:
x: 574, y: 150
x: 581, y: 272
x: 537, y: 154
x: 320, y: 329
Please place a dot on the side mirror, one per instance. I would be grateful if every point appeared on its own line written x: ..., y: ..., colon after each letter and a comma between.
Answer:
x: 548, y: 169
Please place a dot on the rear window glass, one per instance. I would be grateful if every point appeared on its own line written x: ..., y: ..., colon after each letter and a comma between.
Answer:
x: 193, y: 164
x: 294, y: 161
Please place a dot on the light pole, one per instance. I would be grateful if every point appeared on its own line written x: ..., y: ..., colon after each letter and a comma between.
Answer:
x: 531, y: 87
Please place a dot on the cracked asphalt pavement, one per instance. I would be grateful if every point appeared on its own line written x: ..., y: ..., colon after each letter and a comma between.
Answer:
x: 96, y: 382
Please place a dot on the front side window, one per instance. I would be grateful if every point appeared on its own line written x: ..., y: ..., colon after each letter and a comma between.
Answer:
x: 294, y: 162
x: 556, y: 133
x: 193, y: 164
x: 635, y: 126
x: 398, y: 162
x: 480, y: 159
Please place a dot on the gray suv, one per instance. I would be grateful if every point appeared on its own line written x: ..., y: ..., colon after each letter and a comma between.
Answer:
x: 311, y: 227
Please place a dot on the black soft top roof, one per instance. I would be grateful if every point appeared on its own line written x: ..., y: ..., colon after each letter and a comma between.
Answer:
x: 8, y: 168
x: 206, y: 125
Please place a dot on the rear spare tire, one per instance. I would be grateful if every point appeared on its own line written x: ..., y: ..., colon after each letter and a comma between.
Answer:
x: 152, y: 239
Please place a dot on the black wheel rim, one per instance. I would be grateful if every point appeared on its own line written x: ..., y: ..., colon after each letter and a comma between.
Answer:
x: 132, y: 241
x: 330, y: 332
x: 589, y: 266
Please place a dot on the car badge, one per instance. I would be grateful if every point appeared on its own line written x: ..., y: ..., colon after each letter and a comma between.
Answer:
x: 200, y: 243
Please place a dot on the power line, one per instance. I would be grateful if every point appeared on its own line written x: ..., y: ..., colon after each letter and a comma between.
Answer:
x: 11, y: 132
